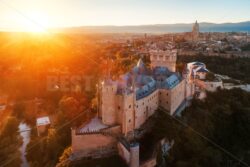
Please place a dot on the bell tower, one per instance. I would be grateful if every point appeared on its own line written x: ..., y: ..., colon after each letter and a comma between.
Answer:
x: 195, y: 31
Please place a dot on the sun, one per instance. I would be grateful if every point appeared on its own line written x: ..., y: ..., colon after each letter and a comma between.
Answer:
x: 36, y: 22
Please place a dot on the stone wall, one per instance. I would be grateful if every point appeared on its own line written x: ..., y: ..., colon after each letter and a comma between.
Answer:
x: 123, y: 152
x: 93, y: 145
x: 165, y: 98
x: 209, y: 85
x: 212, y: 86
x: 172, y: 99
x: 114, y: 130
x: 134, y: 155
x: 190, y: 90
x: 177, y: 96
x: 146, y: 107
x: 130, y: 153
x: 125, y: 112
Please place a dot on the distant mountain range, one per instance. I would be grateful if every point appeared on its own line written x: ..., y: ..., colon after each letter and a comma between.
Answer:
x: 160, y: 28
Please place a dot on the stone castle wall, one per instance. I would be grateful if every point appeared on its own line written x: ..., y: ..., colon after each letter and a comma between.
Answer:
x: 93, y: 145
x: 190, y: 89
x: 128, y: 113
x: 209, y: 85
x: 123, y: 152
x: 146, y: 107
x: 172, y: 99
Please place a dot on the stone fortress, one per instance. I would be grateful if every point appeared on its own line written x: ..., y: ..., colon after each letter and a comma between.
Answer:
x: 136, y: 95
x: 126, y: 103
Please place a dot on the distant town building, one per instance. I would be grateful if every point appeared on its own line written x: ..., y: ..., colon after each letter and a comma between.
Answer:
x: 3, y: 102
x: 192, y: 36
x: 42, y: 124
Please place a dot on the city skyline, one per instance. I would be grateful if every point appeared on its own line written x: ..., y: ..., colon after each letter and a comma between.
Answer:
x: 28, y: 15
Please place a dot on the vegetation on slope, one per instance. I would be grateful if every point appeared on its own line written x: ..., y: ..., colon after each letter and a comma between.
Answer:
x: 246, y: 47
x: 223, y: 119
x: 10, y: 141
x: 47, y: 149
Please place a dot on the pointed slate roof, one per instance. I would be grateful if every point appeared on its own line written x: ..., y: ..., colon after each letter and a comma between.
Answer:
x: 139, y: 68
x: 140, y: 63
x: 171, y: 81
x: 202, y: 70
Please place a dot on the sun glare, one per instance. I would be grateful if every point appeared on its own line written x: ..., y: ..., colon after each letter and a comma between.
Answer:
x: 36, y: 22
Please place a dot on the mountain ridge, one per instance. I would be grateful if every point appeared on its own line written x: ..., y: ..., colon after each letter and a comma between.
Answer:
x: 160, y: 28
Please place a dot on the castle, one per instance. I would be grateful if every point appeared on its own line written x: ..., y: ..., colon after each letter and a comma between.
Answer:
x: 136, y: 95
x: 126, y: 103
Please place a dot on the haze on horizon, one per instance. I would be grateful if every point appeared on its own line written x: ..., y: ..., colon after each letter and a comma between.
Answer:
x: 29, y: 15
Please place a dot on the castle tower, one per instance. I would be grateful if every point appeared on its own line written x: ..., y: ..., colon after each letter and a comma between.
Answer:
x: 127, y: 118
x: 164, y: 58
x: 134, y: 155
x: 108, y: 102
x: 195, y: 31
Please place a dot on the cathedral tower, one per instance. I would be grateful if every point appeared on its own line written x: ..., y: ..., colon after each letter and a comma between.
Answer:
x: 196, y: 31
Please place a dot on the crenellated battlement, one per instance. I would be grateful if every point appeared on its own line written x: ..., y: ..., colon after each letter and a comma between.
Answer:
x: 163, y: 58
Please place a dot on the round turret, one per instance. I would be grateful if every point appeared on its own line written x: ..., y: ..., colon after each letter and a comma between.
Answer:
x: 134, y: 155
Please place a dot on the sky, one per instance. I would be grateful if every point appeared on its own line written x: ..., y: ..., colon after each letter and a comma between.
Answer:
x: 39, y: 14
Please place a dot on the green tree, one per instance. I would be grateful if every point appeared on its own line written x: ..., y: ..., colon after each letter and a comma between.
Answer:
x: 10, y: 142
